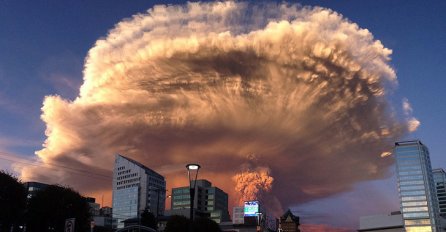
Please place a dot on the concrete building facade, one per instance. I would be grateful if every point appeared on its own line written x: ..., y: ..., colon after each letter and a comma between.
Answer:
x: 135, y: 189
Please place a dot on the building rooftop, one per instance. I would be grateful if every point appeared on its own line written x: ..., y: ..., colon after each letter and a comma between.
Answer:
x: 381, y: 221
x: 142, y: 166
x: 287, y: 214
x: 408, y: 142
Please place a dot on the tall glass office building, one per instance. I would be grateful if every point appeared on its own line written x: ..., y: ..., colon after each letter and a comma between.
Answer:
x: 416, y: 187
x: 135, y: 189
x: 440, y: 183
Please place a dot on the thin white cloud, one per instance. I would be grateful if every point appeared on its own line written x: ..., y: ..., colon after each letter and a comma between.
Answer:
x: 407, y: 108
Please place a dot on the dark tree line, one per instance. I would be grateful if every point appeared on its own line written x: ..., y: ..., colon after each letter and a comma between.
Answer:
x: 46, y: 211
x: 12, y: 201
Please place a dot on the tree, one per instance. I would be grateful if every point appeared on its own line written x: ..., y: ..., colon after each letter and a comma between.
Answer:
x: 49, y: 208
x: 177, y: 223
x: 149, y: 220
x: 12, y: 201
x: 205, y: 225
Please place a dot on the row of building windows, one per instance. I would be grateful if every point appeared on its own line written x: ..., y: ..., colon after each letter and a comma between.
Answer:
x: 411, y: 177
x: 128, y: 181
x: 408, y: 168
x: 413, y: 193
x: 419, y: 229
x: 123, y: 172
x: 408, y: 158
x: 409, y: 162
x: 403, y: 149
x: 156, y: 180
x: 412, y: 187
x: 415, y: 209
x: 414, y: 198
x: 175, y: 203
x: 127, y: 176
x: 416, y: 215
x: 127, y: 186
x: 417, y: 222
x: 180, y: 191
x: 413, y: 182
x: 414, y: 203
x: 180, y: 197
x: 414, y: 172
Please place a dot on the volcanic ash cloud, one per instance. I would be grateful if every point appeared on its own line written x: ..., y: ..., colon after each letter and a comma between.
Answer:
x: 299, y: 94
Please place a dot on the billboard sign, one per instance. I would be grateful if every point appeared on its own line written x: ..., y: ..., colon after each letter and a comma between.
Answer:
x: 251, y: 208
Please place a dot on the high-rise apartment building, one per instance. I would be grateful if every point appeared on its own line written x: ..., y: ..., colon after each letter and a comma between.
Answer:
x: 135, y: 189
x: 209, y: 200
x: 440, y: 183
x: 416, y: 187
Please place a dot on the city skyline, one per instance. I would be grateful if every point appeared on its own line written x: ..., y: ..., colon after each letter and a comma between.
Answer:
x: 46, y: 56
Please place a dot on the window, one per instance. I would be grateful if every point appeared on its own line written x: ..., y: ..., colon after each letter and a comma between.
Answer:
x: 413, y: 182
x: 412, y: 193
x: 416, y: 215
x: 419, y: 229
x: 411, y: 177
x: 414, y: 203
x: 417, y: 222
x: 415, y: 209
x: 415, y: 198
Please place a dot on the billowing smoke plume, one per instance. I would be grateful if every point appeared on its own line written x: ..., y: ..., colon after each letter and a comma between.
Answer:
x: 302, y: 88
x: 253, y: 184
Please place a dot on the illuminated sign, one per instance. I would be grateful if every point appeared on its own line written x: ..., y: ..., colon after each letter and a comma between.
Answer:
x: 251, y: 208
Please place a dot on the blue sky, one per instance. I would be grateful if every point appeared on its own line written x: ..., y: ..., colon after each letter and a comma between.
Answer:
x: 43, y: 45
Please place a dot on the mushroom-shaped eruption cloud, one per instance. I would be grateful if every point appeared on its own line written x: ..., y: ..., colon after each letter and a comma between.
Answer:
x: 275, y: 101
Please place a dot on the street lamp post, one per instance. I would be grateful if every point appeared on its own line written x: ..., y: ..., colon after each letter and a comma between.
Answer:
x: 192, y: 168
x: 259, y: 220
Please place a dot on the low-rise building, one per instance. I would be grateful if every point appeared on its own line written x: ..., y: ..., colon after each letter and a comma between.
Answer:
x: 94, y: 207
x: 210, y: 201
x: 106, y: 211
x: 392, y: 222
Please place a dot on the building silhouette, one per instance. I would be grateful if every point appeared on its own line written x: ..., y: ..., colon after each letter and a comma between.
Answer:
x: 33, y: 187
x: 289, y: 222
x: 135, y: 189
x: 418, y: 200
